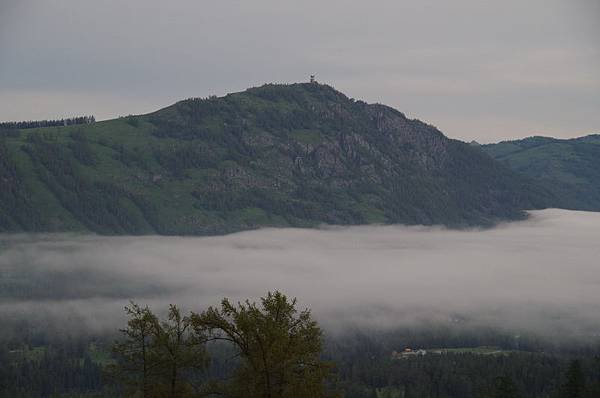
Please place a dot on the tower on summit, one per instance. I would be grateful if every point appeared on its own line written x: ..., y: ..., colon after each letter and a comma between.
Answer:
x: 312, y: 79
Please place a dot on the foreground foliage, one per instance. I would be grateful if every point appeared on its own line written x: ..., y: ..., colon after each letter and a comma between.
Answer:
x: 279, y: 349
x: 271, y: 349
x: 157, y: 359
x: 73, y: 368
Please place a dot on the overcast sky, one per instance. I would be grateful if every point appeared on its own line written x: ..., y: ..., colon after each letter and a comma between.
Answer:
x: 476, y: 69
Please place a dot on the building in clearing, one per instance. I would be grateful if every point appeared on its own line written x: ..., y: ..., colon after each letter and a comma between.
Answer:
x: 408, y: 353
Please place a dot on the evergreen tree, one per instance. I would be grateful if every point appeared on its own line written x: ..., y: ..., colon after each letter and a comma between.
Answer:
x: 593, y: 390
x: 505, y: 388
x: 574, y: 384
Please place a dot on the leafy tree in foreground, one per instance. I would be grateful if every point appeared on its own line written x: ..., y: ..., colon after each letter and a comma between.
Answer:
x: 279, y: 347
x: 134, y: 364
x: 158, y: 359
x: 179, y: 353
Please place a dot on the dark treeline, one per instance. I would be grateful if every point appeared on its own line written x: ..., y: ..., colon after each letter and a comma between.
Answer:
x: 271, y: 349
x: 32, y: 124
x: 60, y: 370
x: 363, y: 374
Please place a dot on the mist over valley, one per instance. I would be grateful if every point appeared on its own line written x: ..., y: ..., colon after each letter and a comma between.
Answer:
x: 317, y: 199
x: 539, y: 276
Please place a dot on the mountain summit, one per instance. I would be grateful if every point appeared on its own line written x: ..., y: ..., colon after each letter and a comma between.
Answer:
x: 276, y: 155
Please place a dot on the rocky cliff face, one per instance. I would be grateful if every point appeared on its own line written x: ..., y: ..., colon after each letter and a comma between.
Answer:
x: 299, y: 155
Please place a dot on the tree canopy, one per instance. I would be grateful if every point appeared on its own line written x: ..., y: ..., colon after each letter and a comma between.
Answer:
x: 279, y: 347
x: 158, y: 359
x: 279, y: 350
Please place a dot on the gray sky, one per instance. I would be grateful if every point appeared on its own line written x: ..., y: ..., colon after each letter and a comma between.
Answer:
x: 476, y: 69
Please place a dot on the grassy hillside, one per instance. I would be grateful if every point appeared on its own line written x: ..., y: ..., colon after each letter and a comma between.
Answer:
x: 277, y: 155
x: 570, y: 169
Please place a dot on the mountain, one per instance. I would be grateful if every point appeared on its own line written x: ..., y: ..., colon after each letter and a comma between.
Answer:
x: 568, y: 168
x: 276, y: 155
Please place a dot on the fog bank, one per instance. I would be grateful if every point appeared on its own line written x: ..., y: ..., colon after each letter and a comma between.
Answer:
x: 540, y: 275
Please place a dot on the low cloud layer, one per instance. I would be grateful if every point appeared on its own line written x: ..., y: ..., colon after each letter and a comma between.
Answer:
x: 540, y: 276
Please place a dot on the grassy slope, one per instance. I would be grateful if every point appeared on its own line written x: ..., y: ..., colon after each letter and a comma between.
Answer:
x: 110, y: 142
x: 570, y: 169
x: 295, y: 155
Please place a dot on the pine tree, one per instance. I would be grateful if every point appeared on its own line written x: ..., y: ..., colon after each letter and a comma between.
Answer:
x: 505, y: 388
x: 574, y: 384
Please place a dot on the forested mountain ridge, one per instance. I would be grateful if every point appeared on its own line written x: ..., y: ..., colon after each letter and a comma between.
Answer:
x: 568, y: 168
x: 276, y: 155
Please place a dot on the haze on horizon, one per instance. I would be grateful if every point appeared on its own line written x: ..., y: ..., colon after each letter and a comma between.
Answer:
x: 476, y: 69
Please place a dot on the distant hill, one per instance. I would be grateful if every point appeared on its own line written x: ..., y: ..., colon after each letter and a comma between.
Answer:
x: 569, y: 169
x: 276, y: 155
